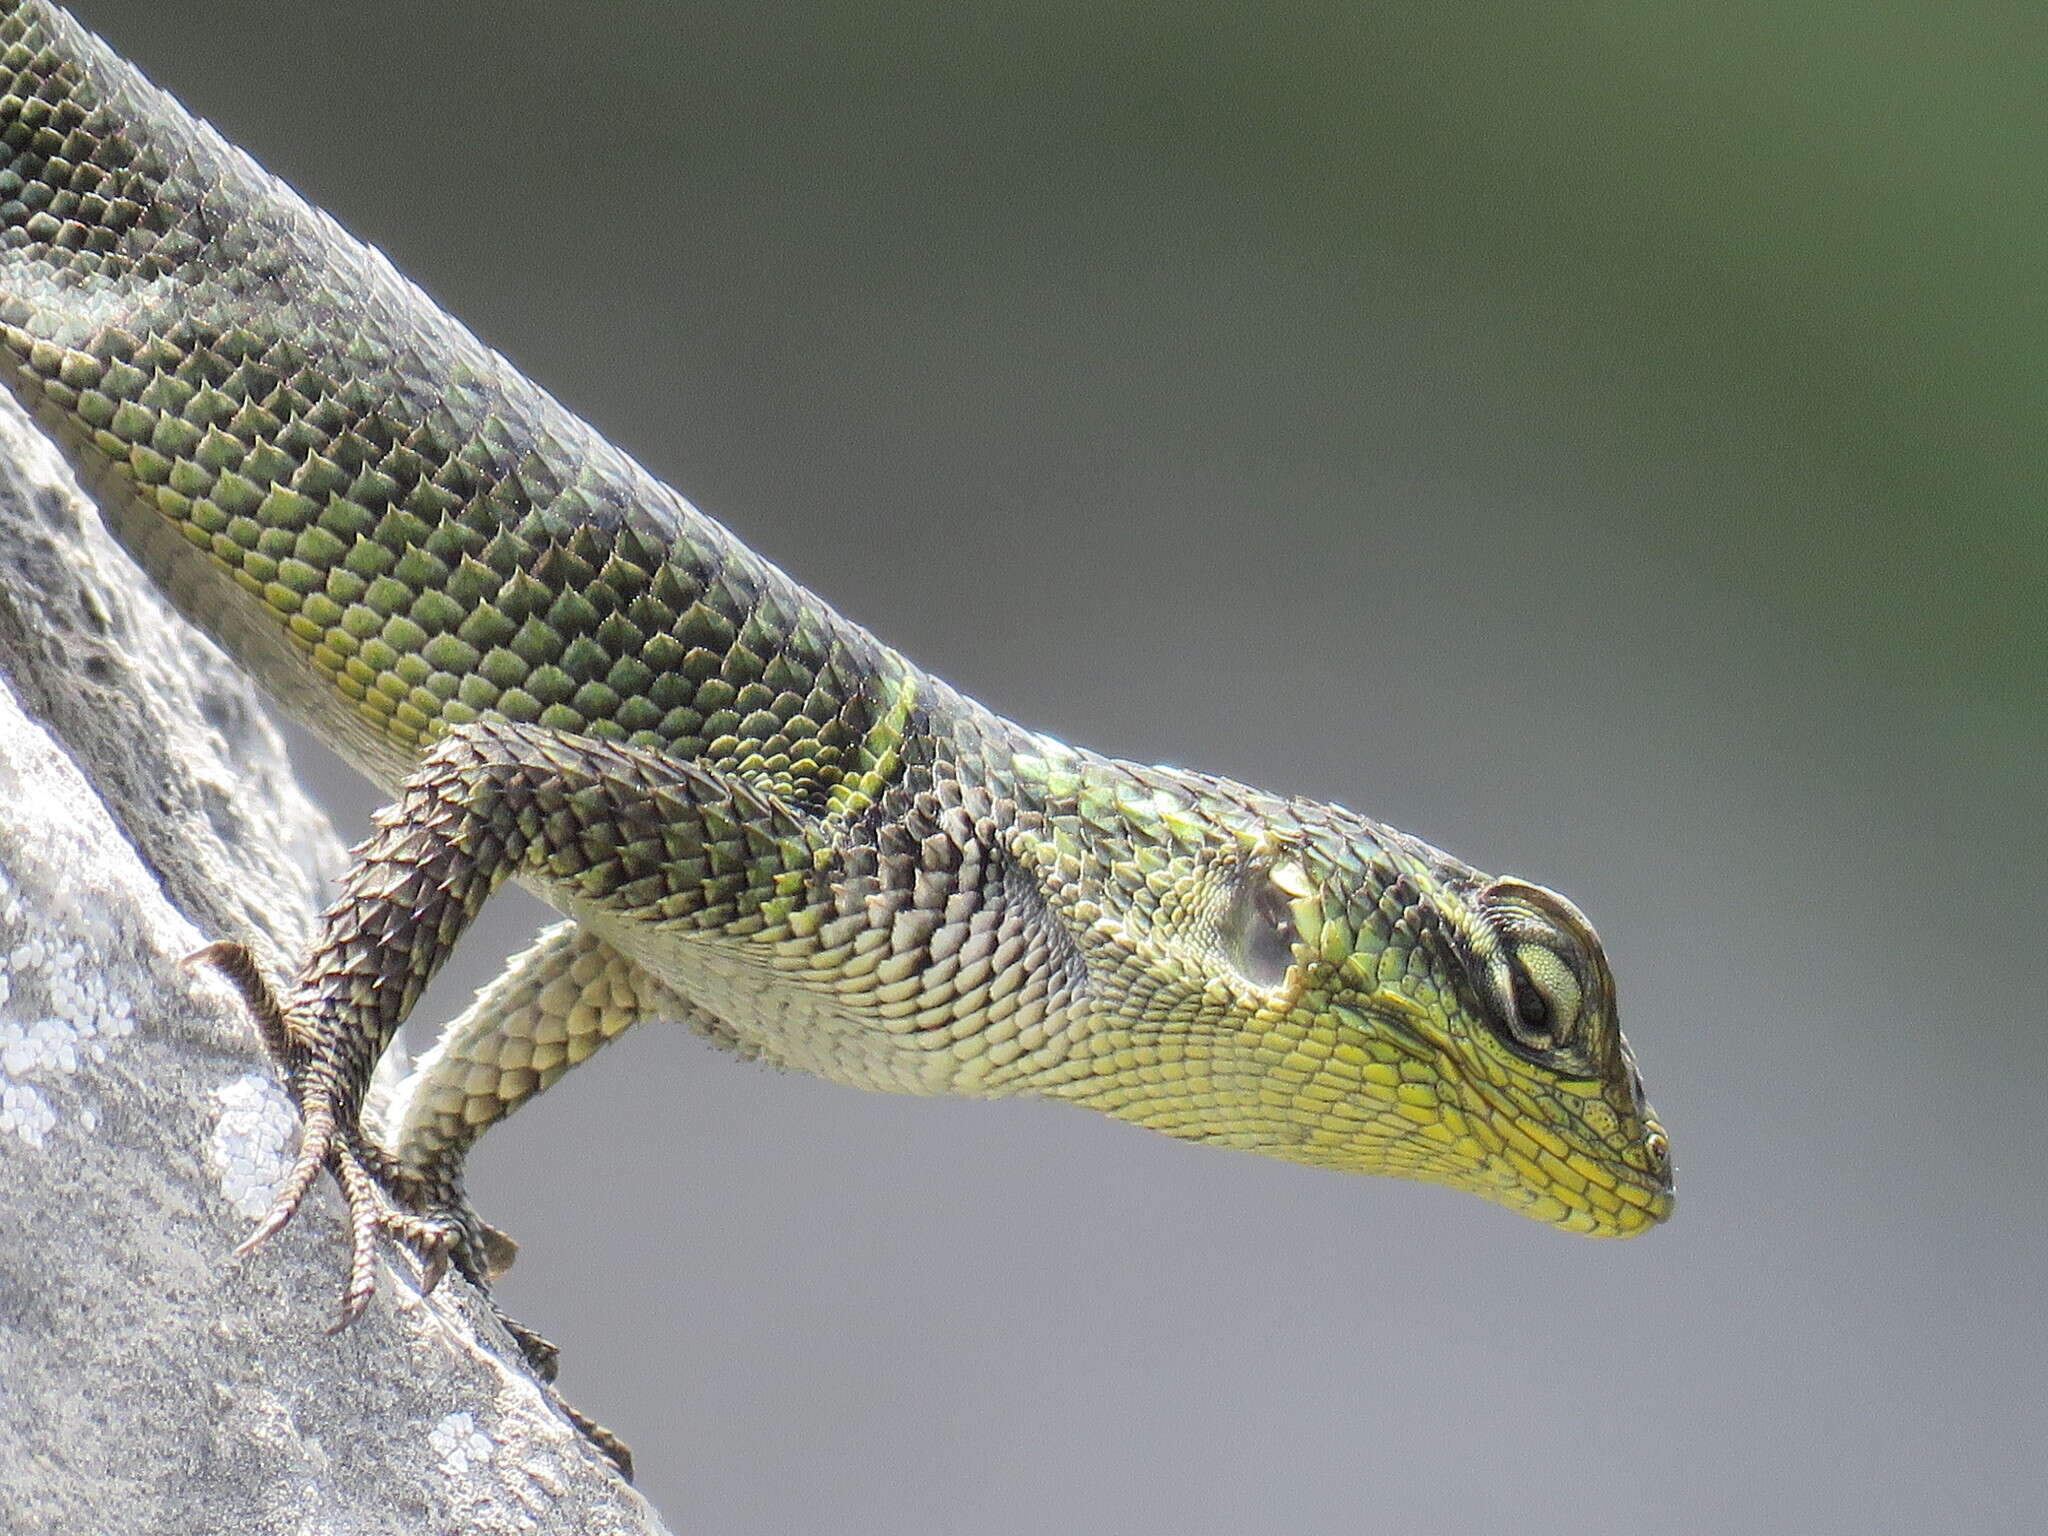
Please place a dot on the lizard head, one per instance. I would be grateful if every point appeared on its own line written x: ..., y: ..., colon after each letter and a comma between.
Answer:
x: 1300, y: 981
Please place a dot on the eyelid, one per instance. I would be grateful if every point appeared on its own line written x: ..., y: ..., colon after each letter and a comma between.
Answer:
x: 1548, y: 972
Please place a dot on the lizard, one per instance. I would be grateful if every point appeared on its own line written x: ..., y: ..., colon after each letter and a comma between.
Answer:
x: 755, y: 818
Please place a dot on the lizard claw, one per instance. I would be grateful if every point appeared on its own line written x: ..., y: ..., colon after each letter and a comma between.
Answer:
x: 426, y: 1214
x: 385, y: 1200
x: 237, y: 964
x: 316, y: 1150
x: 383, y: 1204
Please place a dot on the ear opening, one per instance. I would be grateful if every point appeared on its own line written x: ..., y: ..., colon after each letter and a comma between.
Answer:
x: 1257, y: 932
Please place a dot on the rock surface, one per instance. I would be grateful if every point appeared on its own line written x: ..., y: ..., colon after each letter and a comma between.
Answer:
x: 149, y: 1382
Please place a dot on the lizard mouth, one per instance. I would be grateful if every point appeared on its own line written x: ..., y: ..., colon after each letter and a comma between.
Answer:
x: 1599, y: 1194
x: 1647, y: 1199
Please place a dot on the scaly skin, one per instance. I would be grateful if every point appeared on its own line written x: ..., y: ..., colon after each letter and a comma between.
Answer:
x: 757, y: 817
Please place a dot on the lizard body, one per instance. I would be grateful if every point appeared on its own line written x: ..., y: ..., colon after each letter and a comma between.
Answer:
x: 757, y: 818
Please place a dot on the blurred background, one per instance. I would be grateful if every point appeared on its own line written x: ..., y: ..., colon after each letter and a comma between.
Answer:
x: 1600, y: 438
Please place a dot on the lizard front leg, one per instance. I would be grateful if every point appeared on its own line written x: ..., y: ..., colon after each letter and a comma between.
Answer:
x: 617, y: 829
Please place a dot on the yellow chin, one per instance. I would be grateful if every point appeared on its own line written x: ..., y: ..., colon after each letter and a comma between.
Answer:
x: 1579, y: 1194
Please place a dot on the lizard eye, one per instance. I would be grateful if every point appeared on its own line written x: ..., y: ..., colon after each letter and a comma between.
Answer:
x: 1258, y: 933
x: 1532, y: 1012
x: 1546, y: 997
x: 1542, y: 960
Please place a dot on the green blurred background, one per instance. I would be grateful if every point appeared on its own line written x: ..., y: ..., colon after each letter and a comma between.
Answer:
x: 1603, y: 439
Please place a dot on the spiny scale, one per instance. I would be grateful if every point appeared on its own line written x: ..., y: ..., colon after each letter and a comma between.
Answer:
x: 440, y: 538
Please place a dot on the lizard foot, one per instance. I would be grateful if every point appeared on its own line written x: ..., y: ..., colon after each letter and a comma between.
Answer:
x: 385, y: 1203
x: 380, y: 1207
x: 427, y: 1215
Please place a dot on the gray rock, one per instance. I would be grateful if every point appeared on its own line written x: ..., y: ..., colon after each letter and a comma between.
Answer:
x: 149, y: 1382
